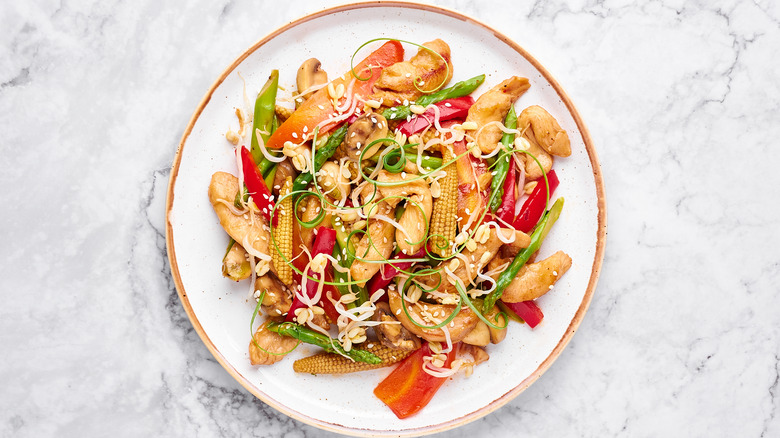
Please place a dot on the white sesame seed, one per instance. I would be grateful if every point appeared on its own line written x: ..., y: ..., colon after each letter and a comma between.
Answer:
x: 295, y: 135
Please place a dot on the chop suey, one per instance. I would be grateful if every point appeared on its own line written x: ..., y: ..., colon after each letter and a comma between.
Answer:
x: 391, y: 217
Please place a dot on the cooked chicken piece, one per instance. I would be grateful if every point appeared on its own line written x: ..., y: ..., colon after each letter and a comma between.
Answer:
x: 477, y: 353
x: 235, y: 265
x: 520, y: 243
x: 371, y: 251
x: 397, y: 82
x: 532, y: 170
x: 333, y: 182
x: 275, y: 345
x: 251, y: 227
x: 493, y: 107
x: 417, y: 211
x: 432, y: 314
x: 536, y: 279
x: 392, y: 334
x: 277, y: 299
x: 548, y: 134
x: 477, y: 260
x: 480, y: 336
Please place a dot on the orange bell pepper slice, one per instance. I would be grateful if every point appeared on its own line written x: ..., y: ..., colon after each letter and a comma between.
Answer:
x: 408, y: 388
x: 319, y: 107
x: 471, y: 202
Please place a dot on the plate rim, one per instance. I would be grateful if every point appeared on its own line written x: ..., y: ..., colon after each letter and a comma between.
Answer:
x: 499, y: 401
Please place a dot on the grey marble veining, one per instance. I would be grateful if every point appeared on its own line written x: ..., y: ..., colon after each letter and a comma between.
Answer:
x: 681, y: 98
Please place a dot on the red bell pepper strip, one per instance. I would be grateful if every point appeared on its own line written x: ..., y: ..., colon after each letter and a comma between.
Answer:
x: 256, y: 185
x: 408, y: 388
x: 506, y: 211
x: 323, y: 244
x: 534, y: 206
x: 388, y: 271
x: 528, y: 311
x: 318, y: 108
x: 448, y: 109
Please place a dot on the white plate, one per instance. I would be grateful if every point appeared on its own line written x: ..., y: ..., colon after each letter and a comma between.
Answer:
x: 218, y: 307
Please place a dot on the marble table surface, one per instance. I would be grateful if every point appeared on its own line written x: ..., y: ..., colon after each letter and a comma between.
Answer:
x: 681, y: 98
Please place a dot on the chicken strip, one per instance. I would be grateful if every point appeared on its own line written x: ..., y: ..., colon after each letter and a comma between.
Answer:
x: 250, y: 228
x: 431, y: 314
x: 477, y: 259
x: 540, y: 124
x: 397, y: 82
x: 532, y: 170
x: 417, y: 211
x: 493, y: 107
x: 267, y: 347
x: 536, y: 279
x: 375, y: 246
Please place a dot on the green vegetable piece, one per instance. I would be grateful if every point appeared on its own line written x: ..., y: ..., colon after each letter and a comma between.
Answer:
x: 269, y: 178
x: 309, y: 336
x: 460, y: 89
x: 263, y: 119
x: 503, y: 162
x: 538, y: 235
x: 320, y: 157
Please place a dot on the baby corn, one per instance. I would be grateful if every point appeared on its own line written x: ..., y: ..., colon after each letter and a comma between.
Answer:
x: 443, y: 218
x: 330, y: 363
x: 283, y: 236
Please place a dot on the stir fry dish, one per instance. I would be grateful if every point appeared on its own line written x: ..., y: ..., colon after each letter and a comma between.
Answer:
x: 391, y: 217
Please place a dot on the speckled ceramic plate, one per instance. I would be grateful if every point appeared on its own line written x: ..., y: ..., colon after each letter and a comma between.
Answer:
x: 219, y: 309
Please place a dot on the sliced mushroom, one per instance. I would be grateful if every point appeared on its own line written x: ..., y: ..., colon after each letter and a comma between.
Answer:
x: 477, y: 353
x: 366, y: 129
x: 309, y: 75
x: 283, y: 170
x: 494, y: 316
x: 391, y: 333
x: 480, y: 336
